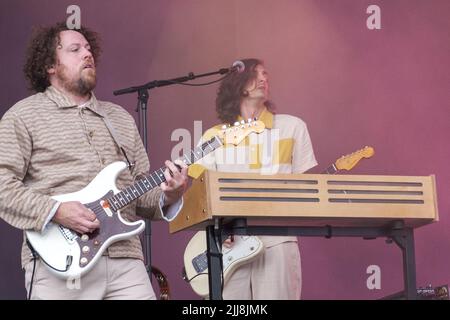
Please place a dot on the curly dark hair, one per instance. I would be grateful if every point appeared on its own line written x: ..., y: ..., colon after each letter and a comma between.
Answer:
x: 231, y: 91
x: 41, y: 53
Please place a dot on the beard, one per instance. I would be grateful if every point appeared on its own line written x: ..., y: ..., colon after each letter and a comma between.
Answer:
x: 81, y: 86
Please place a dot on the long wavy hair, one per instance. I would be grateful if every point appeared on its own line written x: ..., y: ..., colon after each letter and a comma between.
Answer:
x: 41, y: 53
x: 231, y: 91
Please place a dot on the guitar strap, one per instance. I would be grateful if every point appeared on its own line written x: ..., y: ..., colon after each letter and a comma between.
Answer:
x: 116, y: 139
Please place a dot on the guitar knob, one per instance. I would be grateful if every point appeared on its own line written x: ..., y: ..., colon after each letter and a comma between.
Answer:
x: 83, y: 261
x: 85, y: 249
x: 84, y: 237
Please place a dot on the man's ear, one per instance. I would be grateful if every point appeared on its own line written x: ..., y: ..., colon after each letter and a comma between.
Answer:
x: 51, y: 70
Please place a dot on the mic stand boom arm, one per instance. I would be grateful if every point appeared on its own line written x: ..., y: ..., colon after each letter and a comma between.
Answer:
x: 163, y: 83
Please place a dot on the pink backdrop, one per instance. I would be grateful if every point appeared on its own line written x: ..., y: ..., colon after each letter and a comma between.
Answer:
x: 353, y: 86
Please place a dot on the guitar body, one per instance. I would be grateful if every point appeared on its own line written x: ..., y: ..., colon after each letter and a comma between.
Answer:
x: 70, y: 255
x: 243, y: 250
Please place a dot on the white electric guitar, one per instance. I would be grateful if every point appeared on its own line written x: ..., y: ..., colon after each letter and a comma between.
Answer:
x: 70, y: 255
x: 244, y: 248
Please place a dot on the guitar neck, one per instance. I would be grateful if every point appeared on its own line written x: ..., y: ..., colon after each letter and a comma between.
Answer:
x: 330, y: 170
x: 154, y: 179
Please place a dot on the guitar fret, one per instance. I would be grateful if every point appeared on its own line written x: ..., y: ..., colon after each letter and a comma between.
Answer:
x: 146, y: 184
x: 125, y: 195
x: 132, y: 192
x: 129, y: 193
x: 154, y: 181
x: 138, y: 183
x: 199, y: 153
x: 160, y: 176
x: 121, y: 199
x: 193, y: 156
x: 116, y: 203
x: 208, y: 145
x: 186, y: 160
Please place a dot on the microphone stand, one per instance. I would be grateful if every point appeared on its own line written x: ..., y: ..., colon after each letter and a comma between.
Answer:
x: 142, y: 104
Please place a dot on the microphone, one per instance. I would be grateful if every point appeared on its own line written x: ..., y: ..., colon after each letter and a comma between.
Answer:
x: 237, y: 66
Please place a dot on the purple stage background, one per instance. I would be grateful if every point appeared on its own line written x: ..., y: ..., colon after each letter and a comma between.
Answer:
x: 353, y: 86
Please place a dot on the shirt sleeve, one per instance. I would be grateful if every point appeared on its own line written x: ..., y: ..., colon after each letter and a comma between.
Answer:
x: 303, y: 157
x: 170, y: 212
x: 51, y: 215
x: 20, y: 205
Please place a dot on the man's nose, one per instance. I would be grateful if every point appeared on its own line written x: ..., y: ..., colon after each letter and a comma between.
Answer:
x: 262, y: 77
x: 87, y: 54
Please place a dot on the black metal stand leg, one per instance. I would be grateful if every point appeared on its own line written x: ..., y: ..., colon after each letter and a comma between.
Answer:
x: 214, y: 264
x: 406, y: 243
x: 142, y: 113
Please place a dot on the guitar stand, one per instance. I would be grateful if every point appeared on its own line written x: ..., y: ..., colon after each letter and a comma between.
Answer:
x: 215, y: 262
x: 396, y: 232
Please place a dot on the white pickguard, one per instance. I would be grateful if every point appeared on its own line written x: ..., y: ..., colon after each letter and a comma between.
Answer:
x: 54, y: 247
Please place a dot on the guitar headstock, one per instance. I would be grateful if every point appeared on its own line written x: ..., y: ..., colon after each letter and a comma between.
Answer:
x: 349, y: 161
x: 236, y: 133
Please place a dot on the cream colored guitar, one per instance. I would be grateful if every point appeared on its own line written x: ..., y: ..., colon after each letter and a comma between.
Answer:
x: 244, y: 248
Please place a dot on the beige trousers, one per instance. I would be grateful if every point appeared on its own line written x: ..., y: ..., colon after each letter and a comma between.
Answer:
x: 110, y: 279
x: 276, y: 275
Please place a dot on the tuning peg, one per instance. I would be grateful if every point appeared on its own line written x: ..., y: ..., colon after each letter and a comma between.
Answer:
x: 249, y: 120
x: 236, y: 123
x: 224, y: 126
x: 242, y: 121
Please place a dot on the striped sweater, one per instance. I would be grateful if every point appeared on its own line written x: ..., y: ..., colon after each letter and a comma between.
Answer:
x: 49, y: 146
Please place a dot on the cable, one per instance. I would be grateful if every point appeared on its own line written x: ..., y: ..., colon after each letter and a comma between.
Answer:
x: 32, y: 277
x: 33, y: 253
x: 198, y: 274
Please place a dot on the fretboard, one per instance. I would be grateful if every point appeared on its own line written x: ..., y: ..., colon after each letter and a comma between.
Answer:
x: 154, y: 179
x: 330, y: 170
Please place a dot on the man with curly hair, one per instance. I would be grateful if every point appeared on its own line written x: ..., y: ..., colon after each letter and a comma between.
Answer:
x: 55, y: 142
x: 284, y: 147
